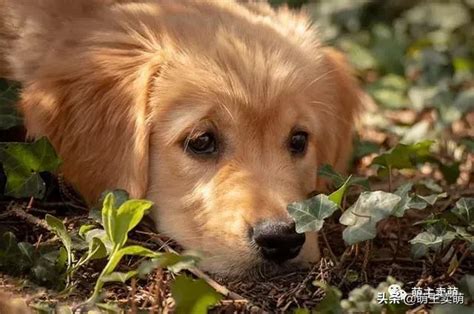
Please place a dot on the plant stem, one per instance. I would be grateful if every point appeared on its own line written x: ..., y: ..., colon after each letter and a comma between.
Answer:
x: 99, y: 283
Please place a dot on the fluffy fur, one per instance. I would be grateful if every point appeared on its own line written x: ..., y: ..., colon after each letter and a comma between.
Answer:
x: 118, y: 85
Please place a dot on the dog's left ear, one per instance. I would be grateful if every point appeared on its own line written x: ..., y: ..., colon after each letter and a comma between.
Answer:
x: 347, y: 101
x: 87, y: 89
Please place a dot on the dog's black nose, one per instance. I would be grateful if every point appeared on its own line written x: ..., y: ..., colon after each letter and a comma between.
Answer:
x: 277, y: 240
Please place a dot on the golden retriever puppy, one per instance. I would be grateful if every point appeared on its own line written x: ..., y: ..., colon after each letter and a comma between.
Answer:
x: 219, y: 112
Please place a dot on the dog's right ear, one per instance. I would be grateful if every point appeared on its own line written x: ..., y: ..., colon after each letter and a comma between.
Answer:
x: 88, y: 93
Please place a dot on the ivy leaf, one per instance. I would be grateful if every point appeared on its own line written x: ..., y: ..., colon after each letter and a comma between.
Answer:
x: 362, y: 217
x: 404, y: 204
x: 464, y: 210
x: 463, y: 234
x: 404, y: 156
x: 9, y: 94
x: 309, y: 214
x: 430, y: 240
x: 23, y: 163
x: 193, y: 296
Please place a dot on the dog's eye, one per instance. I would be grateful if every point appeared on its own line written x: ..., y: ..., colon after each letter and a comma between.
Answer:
x: 298, y: 143
x: 204, y: 144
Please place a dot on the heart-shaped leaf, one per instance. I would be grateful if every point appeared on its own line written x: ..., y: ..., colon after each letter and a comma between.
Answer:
x: 429, y: 240
x: 309, y: 214
x: 404, y: 204
x: 23, y: 163
x: 362, y: 217
x: 404, y: 156
x: 9, y: 92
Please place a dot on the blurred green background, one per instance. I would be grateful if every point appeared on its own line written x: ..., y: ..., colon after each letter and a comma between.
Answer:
x: 417, y: 55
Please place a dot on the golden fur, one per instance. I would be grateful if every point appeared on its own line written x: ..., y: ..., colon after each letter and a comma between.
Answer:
x: 117, y: 85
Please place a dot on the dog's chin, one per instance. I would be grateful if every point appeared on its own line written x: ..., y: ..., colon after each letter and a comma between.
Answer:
x: 257, y: 270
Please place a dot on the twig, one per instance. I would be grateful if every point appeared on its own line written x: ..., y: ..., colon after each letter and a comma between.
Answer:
x: 20, y: 212
x: 399, y: 236
x: 133, y: 296
x: 467, y: 251
x: 200, y: 274
x: 333, y: 256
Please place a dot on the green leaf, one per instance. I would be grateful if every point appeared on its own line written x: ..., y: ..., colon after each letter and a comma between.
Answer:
x: 97, y: 249
x: 172, y: 261
x: 128, y: 216
x: 84, y: 229
x: 338, y: 195
x: 464, y: 210
x: 135, y: 250
x: 59, y: 229
x: 138, y: 250
x: 109, y: 214
x: 362, y: 217
x: 23, y: 163
x: 119, y: 221
x: 9, y: 94
x: 404, y: 156
x: 429, y: 240
x: 102, y: 236
x: 119, y: 276
x: 120, y: 197
x: 364, y: 148
x: 327, y: 171
x: 390, y: 91
x: 193, y: 296
x: 309, y: 214
x: 331, y: 303
x: 463, y: 234
x: 404, y: 204
x: 338, y: 179
x: 27, y: 250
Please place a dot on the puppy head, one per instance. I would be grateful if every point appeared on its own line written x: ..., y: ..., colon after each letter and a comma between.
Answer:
x: 237, y: 134
x: 221, y: 133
